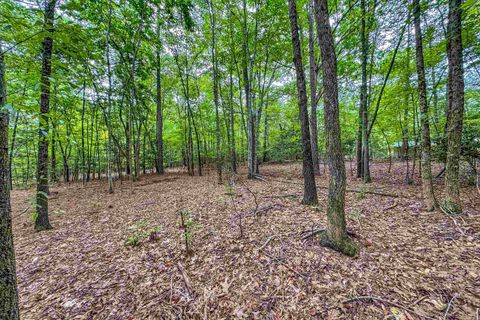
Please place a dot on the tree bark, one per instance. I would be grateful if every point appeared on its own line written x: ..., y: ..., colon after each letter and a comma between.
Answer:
x: 159, y: 161
x: 42, y: 222
x: 336, y: 231
x: 310, y: 190
x: 426, y: 170
x: 8, y: 279
x: 109, y: 106
x: 215, y: 92
x: 313, y: 90
x: 364, y: 99
x: 454, y: 126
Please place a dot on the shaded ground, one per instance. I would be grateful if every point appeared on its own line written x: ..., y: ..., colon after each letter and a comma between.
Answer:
x: 82, y: 269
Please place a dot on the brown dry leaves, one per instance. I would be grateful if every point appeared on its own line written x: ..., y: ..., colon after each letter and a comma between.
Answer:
x: 82, y: 269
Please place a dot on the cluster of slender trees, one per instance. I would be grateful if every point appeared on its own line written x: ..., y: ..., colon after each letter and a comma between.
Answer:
x: 253, y: 84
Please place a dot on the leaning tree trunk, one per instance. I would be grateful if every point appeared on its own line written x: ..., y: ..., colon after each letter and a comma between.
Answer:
x: 313, y: 90
x: 426, y: 170
x: 310, y: 190
x: 42, y: 222
x: 8, y: 280
x: 336, y: 233
x: 452, y: 202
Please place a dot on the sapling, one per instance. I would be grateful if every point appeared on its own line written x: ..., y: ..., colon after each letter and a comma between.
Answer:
x: 188, y: 226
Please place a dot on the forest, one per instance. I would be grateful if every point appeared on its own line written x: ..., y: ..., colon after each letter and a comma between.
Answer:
x: 250, y: 159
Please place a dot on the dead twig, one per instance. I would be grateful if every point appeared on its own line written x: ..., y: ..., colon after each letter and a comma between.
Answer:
x: 259, y: 177
x: 291, y: 195
x: 313, y: 233
x: 254, y: 197
x: 449, y: 306
x: 395, y: 203
x: 285, y: 265
x: 21, y: 213
x: 185, y: 278
x: 398, y: 305
x: 266, y: 243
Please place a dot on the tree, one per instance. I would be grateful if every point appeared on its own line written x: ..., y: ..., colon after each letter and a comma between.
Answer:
x: 211, y: 11
x: 41, y: 221
x: 159, y: 160
x: 336, y: 231
x: 451, y: 203
x: 313, y: 89
x: 427, y: 185
x: 365, y: 156
x: 310, y: 190
x: 8, y: 279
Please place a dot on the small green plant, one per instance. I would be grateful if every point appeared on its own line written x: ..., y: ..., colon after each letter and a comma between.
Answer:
x: 141, y: 231
x: 355, y: 216
x: 188, y: 226
x: 362, y: 192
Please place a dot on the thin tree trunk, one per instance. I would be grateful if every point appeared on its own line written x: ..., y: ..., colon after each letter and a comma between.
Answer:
x: 215, y: 91
x: 452, y: 203
x: 313, y: 90
x: 336, y: 232
x: 426, y: 170
x: 310, y: 190
x: 42, y: 222
x: 364, y: 98
x: 159, y: 161
x: 84, y: 177
x: 109, y: 104
x: 12, y: 146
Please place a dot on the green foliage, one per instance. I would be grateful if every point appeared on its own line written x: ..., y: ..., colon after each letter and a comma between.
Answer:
x: 188, y: 226
x: 82, y: 38
x: 141, y: 231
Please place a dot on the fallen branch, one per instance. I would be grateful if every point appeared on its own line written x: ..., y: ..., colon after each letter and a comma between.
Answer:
x: 313, y: 233
x: 21, y: 213
x: 147, y: 183
x: 185, y: 278
x: 395, y: 203
x: 383, y: 194
x: 290, y: 195
x: 398, y: 305
x: 259, y: 177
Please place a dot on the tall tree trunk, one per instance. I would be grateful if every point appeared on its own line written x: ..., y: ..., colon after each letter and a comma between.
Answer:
x: 336, y: 233
x: 42, y: 222
x: 310, y: 190
x: 159, y: 161
x: 109, y: 104
x: 215, y: 91
x: 427, y: 185
x: 364, y: 98
x: 247, y: 79
x: 8, y: 279
x: 84, y: 174
x: 456, y: 101
x: 313, y: 90
x: 233, y: 153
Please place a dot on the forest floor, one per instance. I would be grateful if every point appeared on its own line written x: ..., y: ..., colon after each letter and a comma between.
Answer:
x: 414, y: 264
